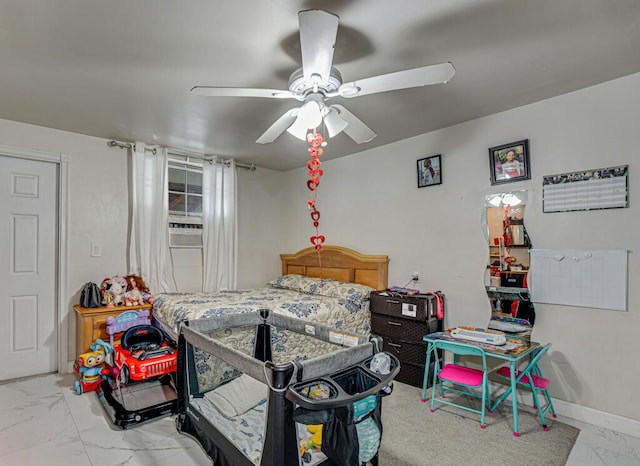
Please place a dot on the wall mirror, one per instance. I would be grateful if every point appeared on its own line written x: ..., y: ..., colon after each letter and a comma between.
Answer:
x: 508, y: 264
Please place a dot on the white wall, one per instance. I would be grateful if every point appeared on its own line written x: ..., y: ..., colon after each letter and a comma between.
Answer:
x: 370, y: 202
x: 99, y: 212
x: 98, y: 203
x: 260, y: 226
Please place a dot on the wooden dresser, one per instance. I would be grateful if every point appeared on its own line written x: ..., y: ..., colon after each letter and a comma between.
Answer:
x: 91, y: 323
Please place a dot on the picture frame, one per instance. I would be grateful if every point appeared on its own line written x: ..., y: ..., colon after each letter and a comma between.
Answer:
x: 510, y: 162
x: 429, y: 170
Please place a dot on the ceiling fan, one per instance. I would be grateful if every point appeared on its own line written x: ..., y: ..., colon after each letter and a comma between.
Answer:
x: 318, y: 81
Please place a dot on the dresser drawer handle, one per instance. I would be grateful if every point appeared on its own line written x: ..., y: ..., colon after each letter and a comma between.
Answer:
x: 391, y: 301
x: 397, y: 324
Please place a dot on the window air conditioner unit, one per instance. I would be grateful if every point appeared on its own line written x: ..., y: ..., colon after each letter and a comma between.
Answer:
x: 185, y: 233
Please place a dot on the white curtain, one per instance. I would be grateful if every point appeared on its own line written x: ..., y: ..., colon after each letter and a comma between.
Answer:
x: 220, y: 225
x: 149, y: 254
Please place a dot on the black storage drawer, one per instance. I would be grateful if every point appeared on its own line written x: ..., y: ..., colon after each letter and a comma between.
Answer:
x: 406, y: 351
x: 419, y: 307
x: 402, y: 321
x: 413, y: 374
x: 410, y: 354
x: 399, y: 328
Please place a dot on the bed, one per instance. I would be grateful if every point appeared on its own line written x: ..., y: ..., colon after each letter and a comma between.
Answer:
x: 319, y: 320
x: 334, y: 293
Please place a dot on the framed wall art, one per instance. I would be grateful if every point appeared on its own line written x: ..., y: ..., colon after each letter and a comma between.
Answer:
x: 429, y: 171
x: 510, y: 162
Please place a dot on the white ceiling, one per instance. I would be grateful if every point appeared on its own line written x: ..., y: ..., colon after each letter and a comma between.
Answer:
x: 122, y: 69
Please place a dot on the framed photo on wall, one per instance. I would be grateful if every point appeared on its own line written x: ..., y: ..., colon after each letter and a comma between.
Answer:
x: 429, y: 171
x: 510, y: 162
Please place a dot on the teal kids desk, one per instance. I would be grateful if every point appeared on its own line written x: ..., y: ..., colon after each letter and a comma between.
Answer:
x: 514, y: 352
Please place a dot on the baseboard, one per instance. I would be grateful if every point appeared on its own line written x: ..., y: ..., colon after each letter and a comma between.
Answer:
x: 591, y: 416
x: 621, y: 424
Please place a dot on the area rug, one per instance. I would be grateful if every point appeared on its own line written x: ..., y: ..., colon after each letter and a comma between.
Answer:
x: 413, y: 436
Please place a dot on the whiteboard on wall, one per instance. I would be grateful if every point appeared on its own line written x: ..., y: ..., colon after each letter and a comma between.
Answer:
x: 577, y: 277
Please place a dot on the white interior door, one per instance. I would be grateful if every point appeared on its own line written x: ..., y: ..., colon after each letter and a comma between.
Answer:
x: 28, y: 242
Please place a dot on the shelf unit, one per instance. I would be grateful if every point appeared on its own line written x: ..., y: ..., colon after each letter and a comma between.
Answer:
x: 497, y: 251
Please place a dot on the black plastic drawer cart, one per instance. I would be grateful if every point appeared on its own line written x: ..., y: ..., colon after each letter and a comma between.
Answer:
x: 401, y: 321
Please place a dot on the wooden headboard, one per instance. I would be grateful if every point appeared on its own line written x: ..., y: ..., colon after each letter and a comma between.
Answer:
x: 338, y: 263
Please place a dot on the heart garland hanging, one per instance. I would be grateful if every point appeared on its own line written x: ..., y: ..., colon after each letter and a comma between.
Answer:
x: 315, y: 172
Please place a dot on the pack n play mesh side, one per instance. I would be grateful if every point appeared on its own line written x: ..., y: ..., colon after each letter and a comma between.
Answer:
x: 215, y: 354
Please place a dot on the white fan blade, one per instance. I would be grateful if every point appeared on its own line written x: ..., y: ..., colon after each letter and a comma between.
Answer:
x: 355, y: 129
x: 279, y: 127
x: 431, y: 74
x: 318, y: 30
x: 212, y: 91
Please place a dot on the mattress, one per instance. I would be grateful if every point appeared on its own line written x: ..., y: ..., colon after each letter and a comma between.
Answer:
x: 246, y: 431
x: 344, y: 306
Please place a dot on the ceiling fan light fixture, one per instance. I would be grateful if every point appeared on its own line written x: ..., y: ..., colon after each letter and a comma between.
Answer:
x: 334, y: 122
x: 495, y: 200
x: 511, y: 200
x: 309, y: 117
x: 298, y: 130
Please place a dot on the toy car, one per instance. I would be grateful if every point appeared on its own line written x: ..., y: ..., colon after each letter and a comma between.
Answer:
x: 144, y: 353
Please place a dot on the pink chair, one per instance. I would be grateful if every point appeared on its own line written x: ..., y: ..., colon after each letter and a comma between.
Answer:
x: 461, y: 379
x: 531, y: 377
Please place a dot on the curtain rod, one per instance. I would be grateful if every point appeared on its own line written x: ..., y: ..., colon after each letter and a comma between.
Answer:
x: 129, y: 145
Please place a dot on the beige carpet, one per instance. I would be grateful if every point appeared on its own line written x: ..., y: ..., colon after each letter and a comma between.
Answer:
x: 413, y: 436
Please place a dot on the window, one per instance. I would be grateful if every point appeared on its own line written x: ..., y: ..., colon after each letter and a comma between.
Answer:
x: 185, y: 187
x: 185, y: 202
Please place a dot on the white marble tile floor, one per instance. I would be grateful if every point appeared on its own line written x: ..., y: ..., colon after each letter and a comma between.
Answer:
x: 44, y: 422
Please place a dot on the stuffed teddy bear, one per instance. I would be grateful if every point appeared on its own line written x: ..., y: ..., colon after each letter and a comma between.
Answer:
x: 133, y: 298
x: 113, y: 290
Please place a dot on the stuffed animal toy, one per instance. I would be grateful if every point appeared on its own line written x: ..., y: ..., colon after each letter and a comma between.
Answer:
x: 91, y: 367
x: 133, y: 295
x: 133, y: 298
x: 316, y: 435
x: 113, y: 290
x: 138, y: 289
x: 311, y: 442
